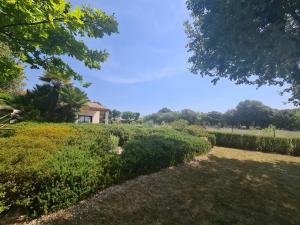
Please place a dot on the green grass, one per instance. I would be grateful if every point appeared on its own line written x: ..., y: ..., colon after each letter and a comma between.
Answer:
x: 227, y: 186
x: 279, y: 133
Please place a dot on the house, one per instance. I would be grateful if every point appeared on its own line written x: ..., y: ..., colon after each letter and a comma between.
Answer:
x: 93, y: 112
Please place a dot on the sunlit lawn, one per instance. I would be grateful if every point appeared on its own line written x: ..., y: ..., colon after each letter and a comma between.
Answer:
x: 226, y: 187
x: 279, y: 133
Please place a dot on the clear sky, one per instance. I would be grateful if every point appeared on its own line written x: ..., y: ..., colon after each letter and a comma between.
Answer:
x: 147, y: 68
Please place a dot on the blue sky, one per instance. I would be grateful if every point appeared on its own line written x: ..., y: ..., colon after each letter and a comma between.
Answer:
x: 147, y: 68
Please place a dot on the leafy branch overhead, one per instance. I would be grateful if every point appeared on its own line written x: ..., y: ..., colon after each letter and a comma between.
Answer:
x: 40, y: 32
x: 249, y: 42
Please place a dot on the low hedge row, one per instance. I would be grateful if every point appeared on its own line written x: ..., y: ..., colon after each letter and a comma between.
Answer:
x: 152, y: 152
x: 45, y: 167
x: 288, y: 146
x: 126, y: 132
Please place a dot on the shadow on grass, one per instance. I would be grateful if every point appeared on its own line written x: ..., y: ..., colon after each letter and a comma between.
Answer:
x: 214, y: 191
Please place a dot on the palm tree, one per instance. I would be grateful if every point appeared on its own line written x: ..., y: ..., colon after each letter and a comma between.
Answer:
x: 70, y: 101
x: 56, y: 82
x: 54, y: 79
x: 57, y: 100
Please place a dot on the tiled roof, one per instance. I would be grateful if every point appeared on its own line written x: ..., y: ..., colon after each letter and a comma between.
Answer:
x: 95, y: 106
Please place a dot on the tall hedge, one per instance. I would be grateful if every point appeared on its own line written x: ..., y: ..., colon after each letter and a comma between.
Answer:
x: 287, y: 146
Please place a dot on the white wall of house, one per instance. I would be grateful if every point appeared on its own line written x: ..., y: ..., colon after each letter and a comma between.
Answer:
x: 93, y: 112
x: 96, y: 116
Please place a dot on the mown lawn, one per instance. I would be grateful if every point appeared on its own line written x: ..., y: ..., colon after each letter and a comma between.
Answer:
x: 279, y: 133
x: 225, y: 187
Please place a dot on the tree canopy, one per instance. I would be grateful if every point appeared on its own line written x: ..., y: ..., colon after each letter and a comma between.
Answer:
x: 250, y: 112
x: 130, y: 116
x: 57, y: 100
x: 213, y: 118
x: 39, y: 33
x: 12, y: 73
x: 115, y: 114
x: 191, y: 116
x: 249, y: 42
x: 166, y: 115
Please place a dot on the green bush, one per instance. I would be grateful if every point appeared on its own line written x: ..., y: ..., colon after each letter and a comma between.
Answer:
x: 296, y: 147
x: 114, y: 142
x: 286, y: 146
x: 150, y: 153
x: 180, y: 124
x: 195, y: 130
x: 212, y: 139
x: 6, y: 132
x: 45, y: 167
x: 198, y: 131
x: 123, y: 132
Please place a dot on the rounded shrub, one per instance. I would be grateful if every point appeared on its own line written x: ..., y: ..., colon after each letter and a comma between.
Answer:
x: 152, y: 152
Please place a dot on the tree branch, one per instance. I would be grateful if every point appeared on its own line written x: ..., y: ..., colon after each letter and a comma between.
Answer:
x: 31, y: 24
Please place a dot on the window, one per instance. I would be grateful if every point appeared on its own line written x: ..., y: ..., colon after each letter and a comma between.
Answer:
x: 85, y: 119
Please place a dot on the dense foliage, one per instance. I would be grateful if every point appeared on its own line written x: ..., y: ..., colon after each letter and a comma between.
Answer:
x: 12, y: 73
x: 39, y: 32
x: 253, y: 113
x: 288, y: 146
x: 256, y: 114
x: 64, y: 163
x: 130, y: 116
x: 57, y: 100
x: 166, y: 115
x: 149, y: 153
x: 249, y: 42
x: 248, y: 113
x: 117, y: 116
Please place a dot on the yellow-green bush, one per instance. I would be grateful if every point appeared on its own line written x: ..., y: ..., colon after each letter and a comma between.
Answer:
x: 48, y: 166
x: 45, y: 167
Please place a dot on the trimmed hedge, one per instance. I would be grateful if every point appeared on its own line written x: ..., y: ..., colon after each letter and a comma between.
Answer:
x: 198, y: 131
x: 150, y: 153
x: 45, y: 167
x: 287, y: 146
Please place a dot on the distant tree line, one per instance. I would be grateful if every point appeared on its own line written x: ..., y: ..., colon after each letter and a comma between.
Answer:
x: 248, y: 113
x: 166, y: 115
x: 124, y: 117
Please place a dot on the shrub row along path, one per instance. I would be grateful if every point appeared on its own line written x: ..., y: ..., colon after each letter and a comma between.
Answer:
x: 226, y: 186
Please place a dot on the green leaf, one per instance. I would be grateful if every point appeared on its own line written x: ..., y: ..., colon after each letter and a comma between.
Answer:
x: 47, y: 39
